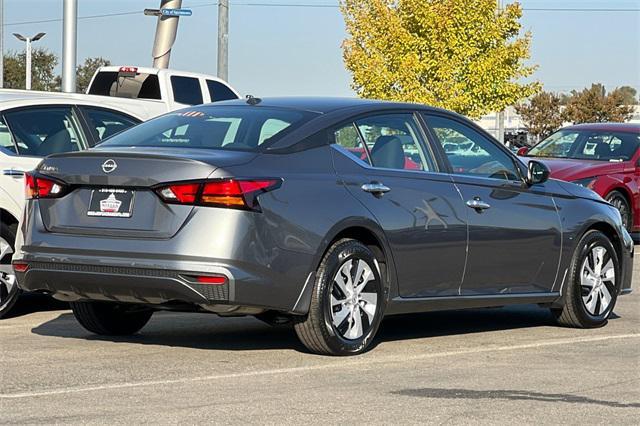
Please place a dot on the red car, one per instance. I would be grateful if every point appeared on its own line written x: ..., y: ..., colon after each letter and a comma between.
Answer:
x: 603, y: 157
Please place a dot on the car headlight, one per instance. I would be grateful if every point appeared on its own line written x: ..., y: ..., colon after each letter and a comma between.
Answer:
x: 587, y: 183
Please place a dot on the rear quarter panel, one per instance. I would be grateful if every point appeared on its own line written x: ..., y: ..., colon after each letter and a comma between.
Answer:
x: 301, y: 218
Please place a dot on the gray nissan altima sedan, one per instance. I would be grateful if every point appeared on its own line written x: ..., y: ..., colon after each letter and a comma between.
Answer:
x: 325, y: 213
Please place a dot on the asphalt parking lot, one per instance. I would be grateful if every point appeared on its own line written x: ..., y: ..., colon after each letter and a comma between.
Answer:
x: 481, y: 366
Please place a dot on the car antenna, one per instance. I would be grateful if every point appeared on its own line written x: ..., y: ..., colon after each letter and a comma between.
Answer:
x: 251, y: 100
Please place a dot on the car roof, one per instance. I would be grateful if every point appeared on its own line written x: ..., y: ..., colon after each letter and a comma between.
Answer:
x: 326, y: 105
x: 607, y: 127
x: 140, y: 108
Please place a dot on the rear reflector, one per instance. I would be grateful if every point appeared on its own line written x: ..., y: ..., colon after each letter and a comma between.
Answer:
x: 230, y: 193
x: 211, y: 280
x: 41, y: 187
x: 20, y: 267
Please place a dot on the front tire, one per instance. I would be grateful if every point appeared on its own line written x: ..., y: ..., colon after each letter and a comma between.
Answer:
x: 9, y: 291
x: 347, y: 304
x: 593, y: 284
x: 111, y: 319
x: 619, y: 201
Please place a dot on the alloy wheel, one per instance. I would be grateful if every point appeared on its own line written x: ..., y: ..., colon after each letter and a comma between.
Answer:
x: 597, y: 280
x: 354, y: 299
x: 7, y: 277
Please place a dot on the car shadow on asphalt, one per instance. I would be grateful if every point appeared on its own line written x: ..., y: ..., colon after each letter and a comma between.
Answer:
x: 206, y: 331
x: 32, y: 302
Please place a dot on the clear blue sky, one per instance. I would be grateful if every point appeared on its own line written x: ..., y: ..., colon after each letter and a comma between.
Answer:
x: 296, y: 50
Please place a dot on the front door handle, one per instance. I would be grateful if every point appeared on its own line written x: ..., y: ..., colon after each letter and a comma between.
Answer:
x: 16, y: 173
x: 375, y: 188
x: 477, y: 204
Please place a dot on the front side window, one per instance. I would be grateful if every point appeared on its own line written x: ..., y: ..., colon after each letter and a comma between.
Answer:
x: 43, y: 131
x: 186, y: 90
x: 469, y: 152
x: 214, y: 127
x: 393, y: 142
x: 107, y: 123
x: 588, y: 145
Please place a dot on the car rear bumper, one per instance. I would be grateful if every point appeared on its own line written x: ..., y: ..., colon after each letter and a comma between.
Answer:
x: 82, y: 278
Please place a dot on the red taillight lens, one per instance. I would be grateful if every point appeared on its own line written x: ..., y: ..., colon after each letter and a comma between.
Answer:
x: 233, y: 193
x: 41, y: 187
x: 20, y: 267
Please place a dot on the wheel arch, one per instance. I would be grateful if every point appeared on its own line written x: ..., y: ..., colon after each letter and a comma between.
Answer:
x: 7, y: 217
x: 610, y: 233
x: 367, y: 232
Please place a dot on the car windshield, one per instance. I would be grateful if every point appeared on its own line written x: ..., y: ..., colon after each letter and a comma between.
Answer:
x: 599, y: 145
x: 214, y: 127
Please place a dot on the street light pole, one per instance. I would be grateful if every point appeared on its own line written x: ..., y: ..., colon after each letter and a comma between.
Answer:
x: 27, y: 54
x: 223, y: 39
x: 1, y: 44
x: 69, y: 44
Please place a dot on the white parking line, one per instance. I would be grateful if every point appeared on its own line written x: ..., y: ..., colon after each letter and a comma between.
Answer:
x: 363, y: 360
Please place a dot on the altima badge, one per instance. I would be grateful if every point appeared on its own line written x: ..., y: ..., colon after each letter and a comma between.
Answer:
x: 109, y: 166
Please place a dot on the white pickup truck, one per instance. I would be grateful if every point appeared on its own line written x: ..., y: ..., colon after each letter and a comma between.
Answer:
x: 177, y: 89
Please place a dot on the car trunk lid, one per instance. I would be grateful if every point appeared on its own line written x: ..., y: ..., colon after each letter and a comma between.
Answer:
x: 111, y: 192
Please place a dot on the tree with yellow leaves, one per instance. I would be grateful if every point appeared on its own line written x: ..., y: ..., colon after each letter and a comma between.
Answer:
x: 464, y: 55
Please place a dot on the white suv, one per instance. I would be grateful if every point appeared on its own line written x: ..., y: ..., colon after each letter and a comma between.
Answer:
x: 36, y: 124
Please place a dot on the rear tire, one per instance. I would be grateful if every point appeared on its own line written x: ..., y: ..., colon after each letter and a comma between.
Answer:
x: 593, y: 284
x: 9, y: 291
x: 347, y: 303
x: 111, y: 319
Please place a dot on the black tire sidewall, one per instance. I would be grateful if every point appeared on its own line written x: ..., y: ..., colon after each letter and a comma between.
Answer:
x: 588, y: 241
x: 9, y: 234
x: 617, y: 194
x: 335, y: 258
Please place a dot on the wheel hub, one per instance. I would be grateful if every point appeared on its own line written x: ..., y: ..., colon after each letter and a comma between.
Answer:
x: 598, y: 280
x: 353, y: 299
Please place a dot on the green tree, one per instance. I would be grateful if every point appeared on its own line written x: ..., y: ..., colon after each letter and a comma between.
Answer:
x: 595, y: 105
x: 87, y: 69
x: 43, y: 63
x: 463, y: 55
x: 542, y: 114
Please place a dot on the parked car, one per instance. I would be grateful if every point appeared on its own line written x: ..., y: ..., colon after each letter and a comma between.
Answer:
x: 176, y: 89
x: 36, y: 124
x: 257, y: 208
x: 603, y: 157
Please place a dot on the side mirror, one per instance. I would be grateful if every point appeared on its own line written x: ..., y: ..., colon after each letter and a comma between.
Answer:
x: 537, y: 172
x: 523, y: 150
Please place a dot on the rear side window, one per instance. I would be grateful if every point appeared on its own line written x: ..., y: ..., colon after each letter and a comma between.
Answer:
x: 219, y: 91
x: 107, y: 123
x: 214, y: 127
x: 112, y: 83
x: 6, y: 141
x: 348, y: 138
x: 43, y: 131
x: 186, y: 90
x: 393, y: 142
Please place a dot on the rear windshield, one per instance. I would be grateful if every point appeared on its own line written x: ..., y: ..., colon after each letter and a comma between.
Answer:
x: 112, y: 83
x: 214, y: 127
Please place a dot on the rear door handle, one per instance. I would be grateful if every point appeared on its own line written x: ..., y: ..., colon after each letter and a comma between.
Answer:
x: 477, y: 204
x: 13, y: 172
x: 375, y: 188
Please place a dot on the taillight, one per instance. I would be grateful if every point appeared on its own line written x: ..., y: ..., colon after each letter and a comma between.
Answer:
x: 230, y: 193
x: 37, y: 186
